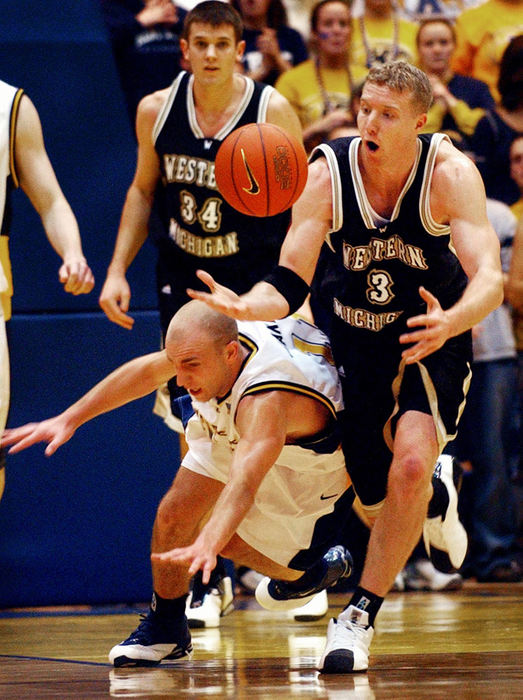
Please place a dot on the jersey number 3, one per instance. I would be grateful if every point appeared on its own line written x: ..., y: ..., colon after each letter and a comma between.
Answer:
x: 380, y: 284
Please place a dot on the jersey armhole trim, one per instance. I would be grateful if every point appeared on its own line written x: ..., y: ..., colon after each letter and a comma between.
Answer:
x: 164, y: 112
x: 337, y: 202
x: 428, y: 223
x: 15, y: 108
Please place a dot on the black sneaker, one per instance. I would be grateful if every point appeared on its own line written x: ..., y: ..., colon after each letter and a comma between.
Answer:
x: 152, y: 641
x: 275, y: 594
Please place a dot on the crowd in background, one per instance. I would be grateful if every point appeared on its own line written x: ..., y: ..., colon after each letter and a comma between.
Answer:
x: 317, y: 55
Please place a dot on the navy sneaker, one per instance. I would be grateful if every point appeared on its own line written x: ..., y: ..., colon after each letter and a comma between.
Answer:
x: 152, y: 641
x: 444, y: 536
x: 275, y: 594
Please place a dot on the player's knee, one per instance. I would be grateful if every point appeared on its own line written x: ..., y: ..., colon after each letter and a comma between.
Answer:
x: 172, y: 519
x: 408, y: 478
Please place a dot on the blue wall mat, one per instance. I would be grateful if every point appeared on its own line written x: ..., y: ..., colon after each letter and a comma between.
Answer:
x: 76, y: 526
x: 60, y: 54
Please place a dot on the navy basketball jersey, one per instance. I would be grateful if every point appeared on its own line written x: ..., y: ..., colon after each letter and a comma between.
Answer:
x: 201, y: 230
x: 371, y: 268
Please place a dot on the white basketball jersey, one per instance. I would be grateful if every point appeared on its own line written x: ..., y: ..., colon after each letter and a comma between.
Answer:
x: 289, y: 355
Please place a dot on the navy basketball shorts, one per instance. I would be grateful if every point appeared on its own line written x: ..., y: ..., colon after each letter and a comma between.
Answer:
x: 379, y: 388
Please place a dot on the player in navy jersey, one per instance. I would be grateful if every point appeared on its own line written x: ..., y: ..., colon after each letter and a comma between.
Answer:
x: 409, y: 263
x: 179, y: 130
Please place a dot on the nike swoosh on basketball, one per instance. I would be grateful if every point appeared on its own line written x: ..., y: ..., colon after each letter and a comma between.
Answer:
x: 325, y: 498
x: 254, y: 188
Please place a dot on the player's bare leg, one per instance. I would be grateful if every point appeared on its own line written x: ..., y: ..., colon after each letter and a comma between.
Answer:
x: 395, y: 533
x: 163, y: 633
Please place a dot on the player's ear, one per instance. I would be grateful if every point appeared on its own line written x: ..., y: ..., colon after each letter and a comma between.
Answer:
x: 422, y: 120
x: 231, y: 350
x: 184, y: 45
x: 240, y: 49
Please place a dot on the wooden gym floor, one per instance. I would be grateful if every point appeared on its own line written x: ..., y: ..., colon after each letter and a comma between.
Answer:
x: 465, y: 644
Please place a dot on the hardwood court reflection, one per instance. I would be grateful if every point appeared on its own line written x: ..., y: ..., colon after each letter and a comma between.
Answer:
x: 463, y: 644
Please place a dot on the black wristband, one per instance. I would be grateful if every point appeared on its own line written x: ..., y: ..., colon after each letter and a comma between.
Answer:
x: 290, y: 285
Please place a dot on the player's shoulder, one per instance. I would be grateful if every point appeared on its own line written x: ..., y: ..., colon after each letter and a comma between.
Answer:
x: 151, y: 104
x: 451, y: 162
x: 455, y: 184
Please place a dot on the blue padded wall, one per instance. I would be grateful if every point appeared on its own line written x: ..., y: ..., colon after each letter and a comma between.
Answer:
x: 60, y: 54
x: 76, y: 527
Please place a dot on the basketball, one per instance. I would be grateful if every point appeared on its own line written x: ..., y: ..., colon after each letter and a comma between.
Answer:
x: 260, y: 169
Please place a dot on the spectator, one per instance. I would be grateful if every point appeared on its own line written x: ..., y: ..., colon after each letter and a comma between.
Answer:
x: 145, y: 39
x: 485, y: 434
x: 381, y: 35
x: 459, y: 101
x: 483, y: 34
x: 495, y: 132
x: 320, y: 89
x: 271, y: 46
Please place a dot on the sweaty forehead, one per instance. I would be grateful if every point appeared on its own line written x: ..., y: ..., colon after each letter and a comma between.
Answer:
x: 383, y: 95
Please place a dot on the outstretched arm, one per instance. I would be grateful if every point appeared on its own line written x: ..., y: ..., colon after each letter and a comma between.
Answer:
x: 262, y: 423
x: 131, y: 381
x: 458, y: 198
x: 38, y: 181
x: 311, y: 218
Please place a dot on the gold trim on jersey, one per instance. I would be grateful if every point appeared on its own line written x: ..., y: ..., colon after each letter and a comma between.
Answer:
x: 368, y: 214
x: 313, y: 348
x: 428, y: 223
x: 231, y: 124
x: 337, y: 201
x: 441, y: 432
x: 251, y: 345
x: 165, y: 110
x: 292, y: 388
x: 12, y: 136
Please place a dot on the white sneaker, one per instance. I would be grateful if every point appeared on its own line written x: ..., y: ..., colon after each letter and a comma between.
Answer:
x: 348, y: 642
x: 314, y: 610
x: 399, y: 582
x: 445, y: 537
x: 215, y: 603
x: 248, y: 578
x: 422, y: 575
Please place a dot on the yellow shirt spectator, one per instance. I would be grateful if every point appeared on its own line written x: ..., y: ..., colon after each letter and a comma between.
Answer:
x: 301, y: 87
x: 380, y: 39
x: 483, y: 34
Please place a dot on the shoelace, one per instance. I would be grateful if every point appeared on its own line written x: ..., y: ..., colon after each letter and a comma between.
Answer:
x: 144, y: 629
x: 349, y: 631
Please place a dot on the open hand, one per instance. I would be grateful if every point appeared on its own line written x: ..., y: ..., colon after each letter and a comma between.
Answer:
x: 220, y: 298
x: 197, y: 555
x: 55, y: 431
x: 435, y: 333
